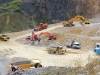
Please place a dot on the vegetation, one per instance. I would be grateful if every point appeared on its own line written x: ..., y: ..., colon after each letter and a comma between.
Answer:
x: 13, y: 5
x: 14, y: 22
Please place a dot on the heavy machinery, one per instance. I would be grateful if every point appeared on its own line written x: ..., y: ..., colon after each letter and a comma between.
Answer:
x: 78, y: 18
x: 4, y: 37
x: 83, y: 20
x: 41, y: 26
x: 75, y: 45
x: 33, y: 63
x: 51, y: 36
x: 69, y: 23
x: 97, y: 48
x: 56, y: 50
x: 37, y: 38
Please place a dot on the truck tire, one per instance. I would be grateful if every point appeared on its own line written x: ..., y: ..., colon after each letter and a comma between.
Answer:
x: 2, y: 39
x: 52, y: 52
x: 64, y: 25
x: 37, y: 65
x: 49, y: 51
x: 35, y: 30
x: 54, y: 39
x: 68, y: 46
x: 59, y: 53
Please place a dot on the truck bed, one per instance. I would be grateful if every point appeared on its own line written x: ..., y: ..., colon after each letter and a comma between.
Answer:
x: 51, y: 49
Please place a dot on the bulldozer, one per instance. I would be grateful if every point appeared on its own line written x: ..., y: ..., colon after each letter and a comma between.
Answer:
x: 33, y: 63
x: 41, y: 26
x: 4, y: 37
x: 56, y: 50
x: 78, y: 18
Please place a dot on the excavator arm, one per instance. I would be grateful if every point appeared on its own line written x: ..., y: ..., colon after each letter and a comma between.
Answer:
x: 51, y: 36
x: 43, y: 33
x: 78, y: 18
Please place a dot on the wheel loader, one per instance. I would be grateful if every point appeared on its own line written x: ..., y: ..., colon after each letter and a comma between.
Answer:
x: 33, y: 63
x: 56, y: 50
x: 4, y: 37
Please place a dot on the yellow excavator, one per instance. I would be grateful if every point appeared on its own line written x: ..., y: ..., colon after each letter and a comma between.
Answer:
x: 83, y: 19
x: 78, y: 18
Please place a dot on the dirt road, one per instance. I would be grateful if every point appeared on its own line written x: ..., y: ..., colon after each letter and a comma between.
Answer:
x: 16, y: 49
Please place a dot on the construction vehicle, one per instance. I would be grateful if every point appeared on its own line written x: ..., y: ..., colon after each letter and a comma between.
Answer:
x: 51, y: 36
x: 35, y: 37
x: 97, y: 48
x: 4, y: 37
x: 75, y: 45
x: 77, y: 18
x: 41, y: 26
x: 83, y: 19
x: 56, y: 50
x: 33, y: 63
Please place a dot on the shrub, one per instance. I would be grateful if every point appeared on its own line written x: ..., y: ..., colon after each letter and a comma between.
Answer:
x: 18, y: 10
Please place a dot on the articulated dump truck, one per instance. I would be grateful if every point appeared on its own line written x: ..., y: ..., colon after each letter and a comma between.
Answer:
x: 33, y: 63
x: 56, y: 50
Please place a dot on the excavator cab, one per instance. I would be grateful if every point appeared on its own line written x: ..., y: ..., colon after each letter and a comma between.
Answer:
x: 53, y: 37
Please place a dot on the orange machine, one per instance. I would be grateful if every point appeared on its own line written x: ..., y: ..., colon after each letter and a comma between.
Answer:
x: 42, y: 26
x: 51, y: 36
x: 33, y: 37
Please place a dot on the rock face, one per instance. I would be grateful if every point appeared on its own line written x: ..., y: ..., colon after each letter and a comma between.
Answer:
x: 60, y: 9
x: 47, y: 11
x: 3, y: 1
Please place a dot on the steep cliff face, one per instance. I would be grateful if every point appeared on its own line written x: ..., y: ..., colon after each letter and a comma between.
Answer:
x: 90, y: 7
x: 4, y: 1
x: 51, y: 9
x: 60, y: 9
x: 48, y: 11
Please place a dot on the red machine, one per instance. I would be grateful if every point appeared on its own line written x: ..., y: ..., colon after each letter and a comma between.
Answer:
x: 42, y: 26
x: 37, y: 37
x: 51, y: 36
x: 33, y: 37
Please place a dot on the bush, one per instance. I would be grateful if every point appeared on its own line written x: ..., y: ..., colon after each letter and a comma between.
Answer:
x: 18, y: 10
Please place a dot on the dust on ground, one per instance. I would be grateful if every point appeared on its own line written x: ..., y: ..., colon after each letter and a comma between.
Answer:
x: 83, y: 34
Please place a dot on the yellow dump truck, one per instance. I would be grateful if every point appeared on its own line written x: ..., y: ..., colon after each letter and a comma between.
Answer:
x: 56, y: 50
x: 4, y: 37
x: 33, y: 63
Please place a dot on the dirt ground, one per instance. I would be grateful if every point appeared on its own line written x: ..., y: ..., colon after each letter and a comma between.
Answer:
x: 87, y: 35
